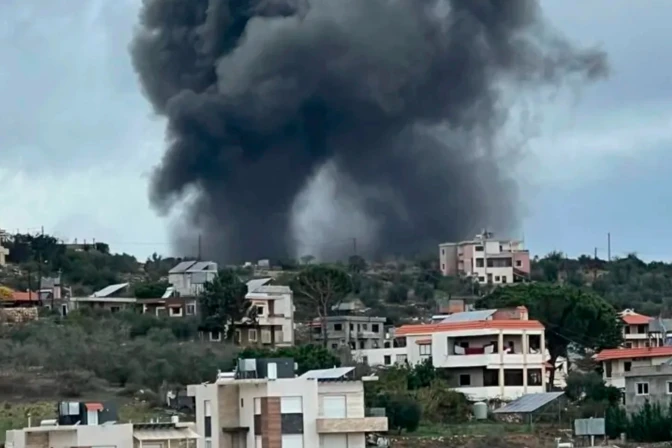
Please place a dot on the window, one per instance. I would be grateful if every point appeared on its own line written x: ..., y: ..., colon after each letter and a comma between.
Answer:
x: 496, y: 278
x: 628, y: 345
x: 334, y: 346
x: 175, y: 311
x: 534, y: 377
x: 207, y: 412
x: 443, y: 266
x: 260, y: 311
x: 669, y: 387
x: 236, y: 336
x: 401, y: 359
x: 504, y: 280
x: 365, y: 327
x: 465, y: 380
x: 627, y: 366
x: 352, y: 327
x: 478, y: 248
x: 115, y: 309
x: 365, y: 359
x: 191, y: 309
x: 208, y: 443
x: 479, y: 263
x: 387, y: 360
x: 215, y: 336
x: 252, y: 335
x: 338, y: 327
x: 642, y: 388
x: 443, y: 251
x: 607, y: 369
x: 362, y: 344
x: 519, y: 263
x: 642, y: 328
x: 481, y: 279
x: 375, y: 327
x: 627, y: 329
x: 425, y: 349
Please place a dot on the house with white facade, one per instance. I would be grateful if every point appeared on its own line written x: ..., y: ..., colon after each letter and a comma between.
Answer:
x: 486, y: 259
x: 636, y: 332
x: 489, y: 353
x: 188, y: 278
x: 618, y: 362
x: 265, y: 405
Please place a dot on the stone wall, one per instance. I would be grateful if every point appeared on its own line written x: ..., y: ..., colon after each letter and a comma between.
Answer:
x: 18, y: 315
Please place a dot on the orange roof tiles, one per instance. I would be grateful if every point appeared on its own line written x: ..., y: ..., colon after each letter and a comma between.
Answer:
x: 636, y: 319
x: 425, y: 329
x: 21, y: 296
x: 628, y: 353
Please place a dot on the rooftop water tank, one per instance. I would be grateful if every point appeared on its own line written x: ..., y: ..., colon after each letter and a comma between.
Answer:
x: 480, y: 411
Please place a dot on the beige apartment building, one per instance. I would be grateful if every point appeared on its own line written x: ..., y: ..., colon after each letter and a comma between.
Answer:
x: 264, y: 405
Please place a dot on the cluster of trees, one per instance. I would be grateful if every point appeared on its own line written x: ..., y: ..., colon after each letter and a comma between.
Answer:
x: 411, y: 394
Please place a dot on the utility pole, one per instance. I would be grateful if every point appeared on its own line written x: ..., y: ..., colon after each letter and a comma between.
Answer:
x: 609, y: 246
x: 484, y: 236
x: 199, y: 248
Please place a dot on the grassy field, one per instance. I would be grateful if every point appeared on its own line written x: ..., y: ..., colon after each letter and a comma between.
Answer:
x: 15, y: 415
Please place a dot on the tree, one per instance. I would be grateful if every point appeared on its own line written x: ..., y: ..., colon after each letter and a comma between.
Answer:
x: 356, y: 264
x: 397, y: 294
x: 402, y: 411
x: 570, y: 315
x: 322, y: 287
x: 223, y: 304
x: 150, y: 290
x: 5, y: 293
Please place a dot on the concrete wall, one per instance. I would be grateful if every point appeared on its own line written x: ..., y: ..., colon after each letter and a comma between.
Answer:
x: 659, y: 382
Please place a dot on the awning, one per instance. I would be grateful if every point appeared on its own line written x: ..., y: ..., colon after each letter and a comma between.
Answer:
x: 423, y: 341
x: 164, y: 434
x: 94, y: 406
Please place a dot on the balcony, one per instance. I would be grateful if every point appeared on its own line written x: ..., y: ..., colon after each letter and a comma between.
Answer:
x: 271, y: 319
x: 351, y: 425
x: 511, y: 360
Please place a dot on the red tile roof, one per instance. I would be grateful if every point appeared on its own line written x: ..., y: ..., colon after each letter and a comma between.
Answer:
x: 425, y: 329
x: 636, y: 319
x: 21, y: 296
x: 628, y: 353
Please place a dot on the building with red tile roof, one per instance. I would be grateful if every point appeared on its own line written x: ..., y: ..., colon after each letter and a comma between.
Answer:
x: 618, y: 362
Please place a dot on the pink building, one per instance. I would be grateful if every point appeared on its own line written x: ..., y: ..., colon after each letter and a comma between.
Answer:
x: 487, y: 259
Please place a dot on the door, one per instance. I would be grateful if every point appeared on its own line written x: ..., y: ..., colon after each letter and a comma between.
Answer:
x: 333, y: 441
x: 292, y: 441
x: 92, y: 418
x: 333, y: 406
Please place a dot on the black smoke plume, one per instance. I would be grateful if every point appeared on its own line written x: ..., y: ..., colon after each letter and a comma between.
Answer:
x: 405, y: 98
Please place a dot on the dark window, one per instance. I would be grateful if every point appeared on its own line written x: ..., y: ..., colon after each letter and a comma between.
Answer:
x: 500, y: 262
x: 642, y: 388
x: 641, y: 329
x: 334, y: 346
x: 375, y: 327
x: 491, y: 377
x: 513, y: 377
x: 534, y: 377
x: 628, y: 345
x: 115, y: 309
x: 479, y: 262
x: 292, y: 423
x: 362, y: 344
x: 338, y: 327
x: 352, y: 327
x: 627, y: 366
x: 387, y: 360
x: 627, y: 329
x: 519, y: 263
x: 465, y: 380
x: 478, y: 248
x: 365, y: 327
x: 504, y: 280
x: 257, y: 425
x: 607, y: 369
x: 208, y: 426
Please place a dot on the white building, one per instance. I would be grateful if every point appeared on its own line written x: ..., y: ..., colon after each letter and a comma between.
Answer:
x: 127, y: 435
x: 486, y: 259
x: 636, y: 329
x: 187, y: 278
x: 274, y: 310
x: 490, y: 353
x: 274, y: 409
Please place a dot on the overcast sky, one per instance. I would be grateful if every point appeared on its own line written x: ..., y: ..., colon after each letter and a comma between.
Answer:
x: 77, y: 139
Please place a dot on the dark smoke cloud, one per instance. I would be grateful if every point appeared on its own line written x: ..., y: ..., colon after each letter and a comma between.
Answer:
x: 405, y: 97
